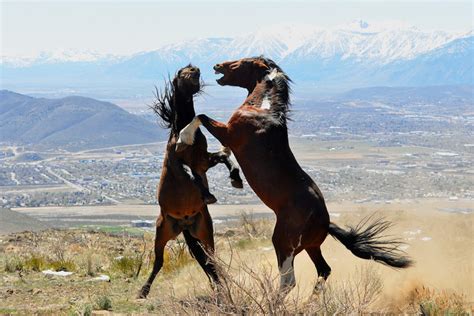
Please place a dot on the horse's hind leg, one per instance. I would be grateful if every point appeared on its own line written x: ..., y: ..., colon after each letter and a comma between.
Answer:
x: 324, y: 270
x: 197, y: 251
x: 223, y: 156
x: 165, y: 230
x: 200, y: 239
x: 287, y: 244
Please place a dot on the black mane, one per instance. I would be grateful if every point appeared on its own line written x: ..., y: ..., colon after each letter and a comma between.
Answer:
x: 280, y: 103
x: 163, y: 106
x: 169, y: 106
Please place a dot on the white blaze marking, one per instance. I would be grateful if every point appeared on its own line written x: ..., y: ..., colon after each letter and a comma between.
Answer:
x: 287, y: 273
x: 272, y: 74
x: 187, y: 134
x: 299, y: 243
x: 266, y: 103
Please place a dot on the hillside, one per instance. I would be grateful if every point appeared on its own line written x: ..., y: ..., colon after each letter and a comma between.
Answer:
x: 108, y: 265
x: 72, y: 123
x: 14, y: 222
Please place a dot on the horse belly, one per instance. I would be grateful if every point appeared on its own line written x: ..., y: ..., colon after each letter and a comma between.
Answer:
x: 180, y: 199
x: 266, y: 180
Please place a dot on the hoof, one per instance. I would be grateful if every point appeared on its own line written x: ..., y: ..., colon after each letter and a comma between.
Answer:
x: 320, y: 285
x: 143, y: 293
x: 237, y: 183
x: 235, y: 179
x: 209, y: 199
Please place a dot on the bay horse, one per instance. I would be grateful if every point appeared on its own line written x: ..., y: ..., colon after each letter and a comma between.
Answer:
x: 257, y: 134
x: 183, y: 193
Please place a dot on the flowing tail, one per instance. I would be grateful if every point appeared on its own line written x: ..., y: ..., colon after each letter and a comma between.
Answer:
x: 367, y: 242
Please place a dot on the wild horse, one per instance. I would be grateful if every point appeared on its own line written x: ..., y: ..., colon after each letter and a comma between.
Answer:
x: 183, y: 193
x: 257, y: 134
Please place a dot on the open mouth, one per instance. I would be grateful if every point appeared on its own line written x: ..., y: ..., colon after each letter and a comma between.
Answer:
x: 219, y: 71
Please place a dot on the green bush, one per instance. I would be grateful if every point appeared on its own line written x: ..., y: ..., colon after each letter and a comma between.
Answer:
x: 127, y: 265
x: 87, y: 311
x: 36, y: 263
x: 62, y: 265
x: 13, y: 264
x: 104, y: 303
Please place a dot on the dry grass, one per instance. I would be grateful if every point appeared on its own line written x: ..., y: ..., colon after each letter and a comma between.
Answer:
x: 250, y: 279
x: 429, y: 301
x: 250, y: 290
x: 176, y: 257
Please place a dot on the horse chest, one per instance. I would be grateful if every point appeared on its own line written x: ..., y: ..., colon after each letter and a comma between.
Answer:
x: 247, y: 125
x: 178, y: 196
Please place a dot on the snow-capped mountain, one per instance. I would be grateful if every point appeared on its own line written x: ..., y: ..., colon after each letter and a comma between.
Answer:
x: 59, y: 56
x: 354, y: 55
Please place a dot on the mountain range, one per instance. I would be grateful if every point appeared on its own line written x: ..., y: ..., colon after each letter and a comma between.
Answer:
x: 351, y: 56
x: 71, y: 123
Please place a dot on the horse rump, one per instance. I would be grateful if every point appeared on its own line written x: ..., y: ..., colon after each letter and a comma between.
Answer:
x: 366, y: 241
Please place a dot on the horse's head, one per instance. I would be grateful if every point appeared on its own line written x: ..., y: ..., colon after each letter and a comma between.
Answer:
x: 243, y: 73
x: 188, y: 79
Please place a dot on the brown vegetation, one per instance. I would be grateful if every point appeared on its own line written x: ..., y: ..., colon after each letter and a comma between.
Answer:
x: 246, y: 265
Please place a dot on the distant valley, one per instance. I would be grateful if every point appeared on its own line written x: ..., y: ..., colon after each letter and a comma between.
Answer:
x: 374, y: 144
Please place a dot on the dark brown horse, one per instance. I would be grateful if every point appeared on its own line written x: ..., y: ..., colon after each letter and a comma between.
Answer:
x: 182, y: 193
x: 257, y: 134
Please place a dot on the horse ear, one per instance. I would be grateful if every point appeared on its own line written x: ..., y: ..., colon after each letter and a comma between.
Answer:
x: 260, y: 64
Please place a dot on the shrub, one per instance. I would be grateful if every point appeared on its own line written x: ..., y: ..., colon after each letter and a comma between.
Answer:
x: 13, y: 264
x: 176, y: 257
x: 433, y: 302
x: 127, y: 265
x: 104, y: 303
x: 36, y: 263
x: 87, y: 311
x: 62, y: 265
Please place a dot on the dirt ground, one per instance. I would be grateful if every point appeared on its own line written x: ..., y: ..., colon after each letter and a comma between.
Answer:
x: 440, y: 242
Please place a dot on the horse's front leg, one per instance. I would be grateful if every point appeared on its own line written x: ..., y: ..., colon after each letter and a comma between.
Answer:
x: 223, y: 156
x: 217, y: 129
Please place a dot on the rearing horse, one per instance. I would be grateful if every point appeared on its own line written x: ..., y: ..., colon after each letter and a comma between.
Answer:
x: 257, y: 134
x: 183, y: 194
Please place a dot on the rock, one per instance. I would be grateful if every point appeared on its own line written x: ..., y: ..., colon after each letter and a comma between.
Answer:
x: 57, y: 273
x: 99, y: 313
x: 102, y: 277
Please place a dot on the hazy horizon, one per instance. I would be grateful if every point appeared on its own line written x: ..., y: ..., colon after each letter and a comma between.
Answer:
x: 29, y: 28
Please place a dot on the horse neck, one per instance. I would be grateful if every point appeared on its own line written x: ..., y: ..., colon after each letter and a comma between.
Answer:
x: 184, y: 105
x: 257, y: 92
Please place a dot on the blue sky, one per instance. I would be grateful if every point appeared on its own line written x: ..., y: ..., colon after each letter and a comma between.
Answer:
x: 124, y: 27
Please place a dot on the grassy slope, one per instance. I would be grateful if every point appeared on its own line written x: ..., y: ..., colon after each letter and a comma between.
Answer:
x: 439, y: 281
